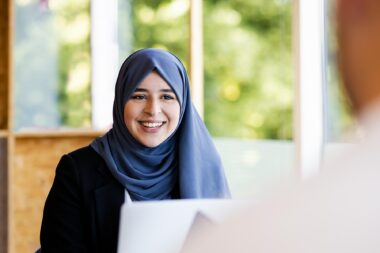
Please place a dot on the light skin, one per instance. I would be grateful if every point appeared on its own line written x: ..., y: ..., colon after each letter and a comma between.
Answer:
x: 152, y: 113
x: 358, y: 23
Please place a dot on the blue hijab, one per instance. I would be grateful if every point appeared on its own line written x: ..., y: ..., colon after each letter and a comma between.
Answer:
x: 186, y: 162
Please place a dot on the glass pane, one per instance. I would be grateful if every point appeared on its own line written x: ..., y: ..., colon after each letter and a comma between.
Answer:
x: 338, y: 112
x: 52, y: 64
x: 163, y: 24
x: 250, y: 167
x: 248, y: 68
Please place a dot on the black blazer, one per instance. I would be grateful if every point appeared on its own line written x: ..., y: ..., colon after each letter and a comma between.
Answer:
x: 82, y: 209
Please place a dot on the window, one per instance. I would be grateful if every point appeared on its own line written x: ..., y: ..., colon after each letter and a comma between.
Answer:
x: 68, y: 53
x: 52, y: 64
x: 248, y: 69
x: 248, y: 90
x: 339, y: 118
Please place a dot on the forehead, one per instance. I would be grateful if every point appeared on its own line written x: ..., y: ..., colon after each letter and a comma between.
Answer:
x: 154, y: 82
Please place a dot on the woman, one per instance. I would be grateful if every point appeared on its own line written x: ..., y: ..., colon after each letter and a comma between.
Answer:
x: 158, y: 148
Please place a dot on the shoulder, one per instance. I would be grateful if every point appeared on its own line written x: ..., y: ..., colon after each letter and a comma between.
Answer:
x: 85, y: 155
x: 84, y: 159
x: 86, y: 164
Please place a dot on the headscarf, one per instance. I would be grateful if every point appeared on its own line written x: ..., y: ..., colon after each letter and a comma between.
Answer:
x: 187, y: 160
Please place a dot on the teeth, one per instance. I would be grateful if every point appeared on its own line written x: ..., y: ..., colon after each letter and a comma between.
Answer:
x: 151, y: 125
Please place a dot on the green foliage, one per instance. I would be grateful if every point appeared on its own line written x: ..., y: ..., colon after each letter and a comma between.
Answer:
x: 247, y: 59
x: 74, y: 97
x: 52, y: 64
x: 248, y: 68
x: 161, y: 24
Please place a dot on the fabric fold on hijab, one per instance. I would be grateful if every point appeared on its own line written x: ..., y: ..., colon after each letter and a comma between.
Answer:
x: 187, y: 159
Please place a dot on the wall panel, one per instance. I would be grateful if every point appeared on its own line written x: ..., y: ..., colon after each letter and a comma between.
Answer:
x: 3, y: 195
x: 35, y: 160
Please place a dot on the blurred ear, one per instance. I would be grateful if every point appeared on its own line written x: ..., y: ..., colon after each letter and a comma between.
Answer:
x: 358, y: 34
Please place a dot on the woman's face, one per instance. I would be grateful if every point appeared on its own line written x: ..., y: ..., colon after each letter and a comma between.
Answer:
x: 152, y: 113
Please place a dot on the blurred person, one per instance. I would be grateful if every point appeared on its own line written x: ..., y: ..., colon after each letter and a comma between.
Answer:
x: 338, y: 211
x: 158, y: 148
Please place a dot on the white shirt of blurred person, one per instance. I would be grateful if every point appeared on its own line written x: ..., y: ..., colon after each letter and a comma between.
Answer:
x: 338, y: 211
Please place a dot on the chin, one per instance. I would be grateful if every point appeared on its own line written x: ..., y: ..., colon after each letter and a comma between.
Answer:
x: 151, y: 144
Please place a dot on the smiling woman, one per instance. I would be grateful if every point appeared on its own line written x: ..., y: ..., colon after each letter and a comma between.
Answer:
x: 158, y: 148
x: 152, y: 113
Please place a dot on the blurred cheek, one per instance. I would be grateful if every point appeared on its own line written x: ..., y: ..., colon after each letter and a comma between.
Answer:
x: 129, y: 114
x: 176, y: 114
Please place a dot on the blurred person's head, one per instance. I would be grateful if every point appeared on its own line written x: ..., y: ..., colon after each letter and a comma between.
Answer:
x: 358, y: 31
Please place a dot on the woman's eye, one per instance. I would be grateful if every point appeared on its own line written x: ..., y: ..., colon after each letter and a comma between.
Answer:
x: 138, y: 97
x: 168, y: 97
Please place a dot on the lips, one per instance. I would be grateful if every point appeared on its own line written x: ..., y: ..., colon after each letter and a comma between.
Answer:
x: 152, y: 124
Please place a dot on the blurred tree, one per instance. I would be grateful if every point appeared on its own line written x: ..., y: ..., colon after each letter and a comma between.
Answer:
x: 72, y: 19
x: 248, y: 68
x: 52, y: 64
x: 161, y: 24
x: 248, y: 62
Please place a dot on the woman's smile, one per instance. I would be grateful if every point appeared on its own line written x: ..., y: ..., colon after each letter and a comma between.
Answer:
x: 150, y: 127
x: 150, y: 124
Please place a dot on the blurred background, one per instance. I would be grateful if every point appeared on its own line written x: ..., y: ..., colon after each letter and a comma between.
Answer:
x: 263, y: 76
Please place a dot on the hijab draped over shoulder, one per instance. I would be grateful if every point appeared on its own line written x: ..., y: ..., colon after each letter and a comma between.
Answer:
x: 186, y: 162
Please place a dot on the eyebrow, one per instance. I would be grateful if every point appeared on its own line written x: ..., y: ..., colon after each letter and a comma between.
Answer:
x: 145, y: 90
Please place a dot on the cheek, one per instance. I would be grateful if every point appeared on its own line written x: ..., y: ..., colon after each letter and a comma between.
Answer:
x: 128, y: 114
x: 175, y: 114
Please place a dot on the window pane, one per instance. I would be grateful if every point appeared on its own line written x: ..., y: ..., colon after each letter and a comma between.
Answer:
x: 254, y: 167
x: 339, y: 115
x: 248, y: 68
x: 52, y: 63
x: 162, y: 24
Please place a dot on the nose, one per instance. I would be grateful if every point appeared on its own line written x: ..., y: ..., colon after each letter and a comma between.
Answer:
x: 152, y: 106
